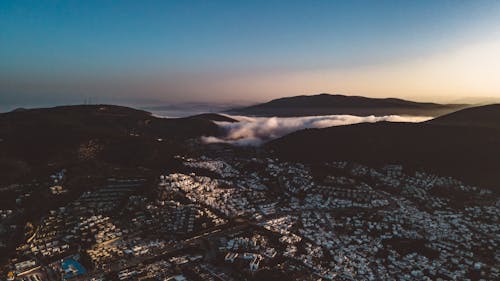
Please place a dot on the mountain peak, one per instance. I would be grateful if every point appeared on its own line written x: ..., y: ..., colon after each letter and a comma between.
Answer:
x: 339, y: 104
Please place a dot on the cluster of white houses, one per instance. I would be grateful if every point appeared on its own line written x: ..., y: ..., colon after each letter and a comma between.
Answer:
x: 357, y: 223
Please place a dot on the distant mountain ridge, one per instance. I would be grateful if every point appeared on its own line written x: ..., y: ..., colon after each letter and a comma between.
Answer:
x: 214, y: 117
x: 464, y: 144
x: 329, y: 104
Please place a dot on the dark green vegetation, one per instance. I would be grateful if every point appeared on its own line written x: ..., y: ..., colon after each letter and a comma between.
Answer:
x: 465, y: 144
x: 326, y: 104
x: 37, y: 140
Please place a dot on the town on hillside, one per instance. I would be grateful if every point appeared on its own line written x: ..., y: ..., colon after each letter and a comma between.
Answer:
x: 230, y: 216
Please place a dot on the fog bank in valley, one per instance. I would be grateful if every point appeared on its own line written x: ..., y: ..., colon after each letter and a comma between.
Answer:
x: 256, y: 130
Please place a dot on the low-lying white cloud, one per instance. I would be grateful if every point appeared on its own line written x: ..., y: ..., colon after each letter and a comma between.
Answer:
x: 256, y: 130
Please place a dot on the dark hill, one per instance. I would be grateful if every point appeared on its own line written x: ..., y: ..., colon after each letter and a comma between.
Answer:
x: 100, y: 120
x: 481, y: 116
x: 327, y: 104
x: 467, y: 152
x: 35, y: 138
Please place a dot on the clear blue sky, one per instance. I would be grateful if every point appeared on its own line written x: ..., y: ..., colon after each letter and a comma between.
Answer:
x: 170, y: 51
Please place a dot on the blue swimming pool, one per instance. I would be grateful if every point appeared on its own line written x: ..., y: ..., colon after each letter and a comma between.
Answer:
x: 72, y: 268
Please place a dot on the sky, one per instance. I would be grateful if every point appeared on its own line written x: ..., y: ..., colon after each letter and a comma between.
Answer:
x: 167, y: 52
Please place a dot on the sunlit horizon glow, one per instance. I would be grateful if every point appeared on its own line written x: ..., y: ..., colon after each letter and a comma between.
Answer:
x: 160, y: 52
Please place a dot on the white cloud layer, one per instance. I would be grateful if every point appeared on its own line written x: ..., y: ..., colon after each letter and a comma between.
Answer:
x: 256, y: 130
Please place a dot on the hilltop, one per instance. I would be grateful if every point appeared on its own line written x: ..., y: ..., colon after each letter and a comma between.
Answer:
x: 33, y: 139
x: 487, y: 116
x: 328, y: 104
x: 446, y: 145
